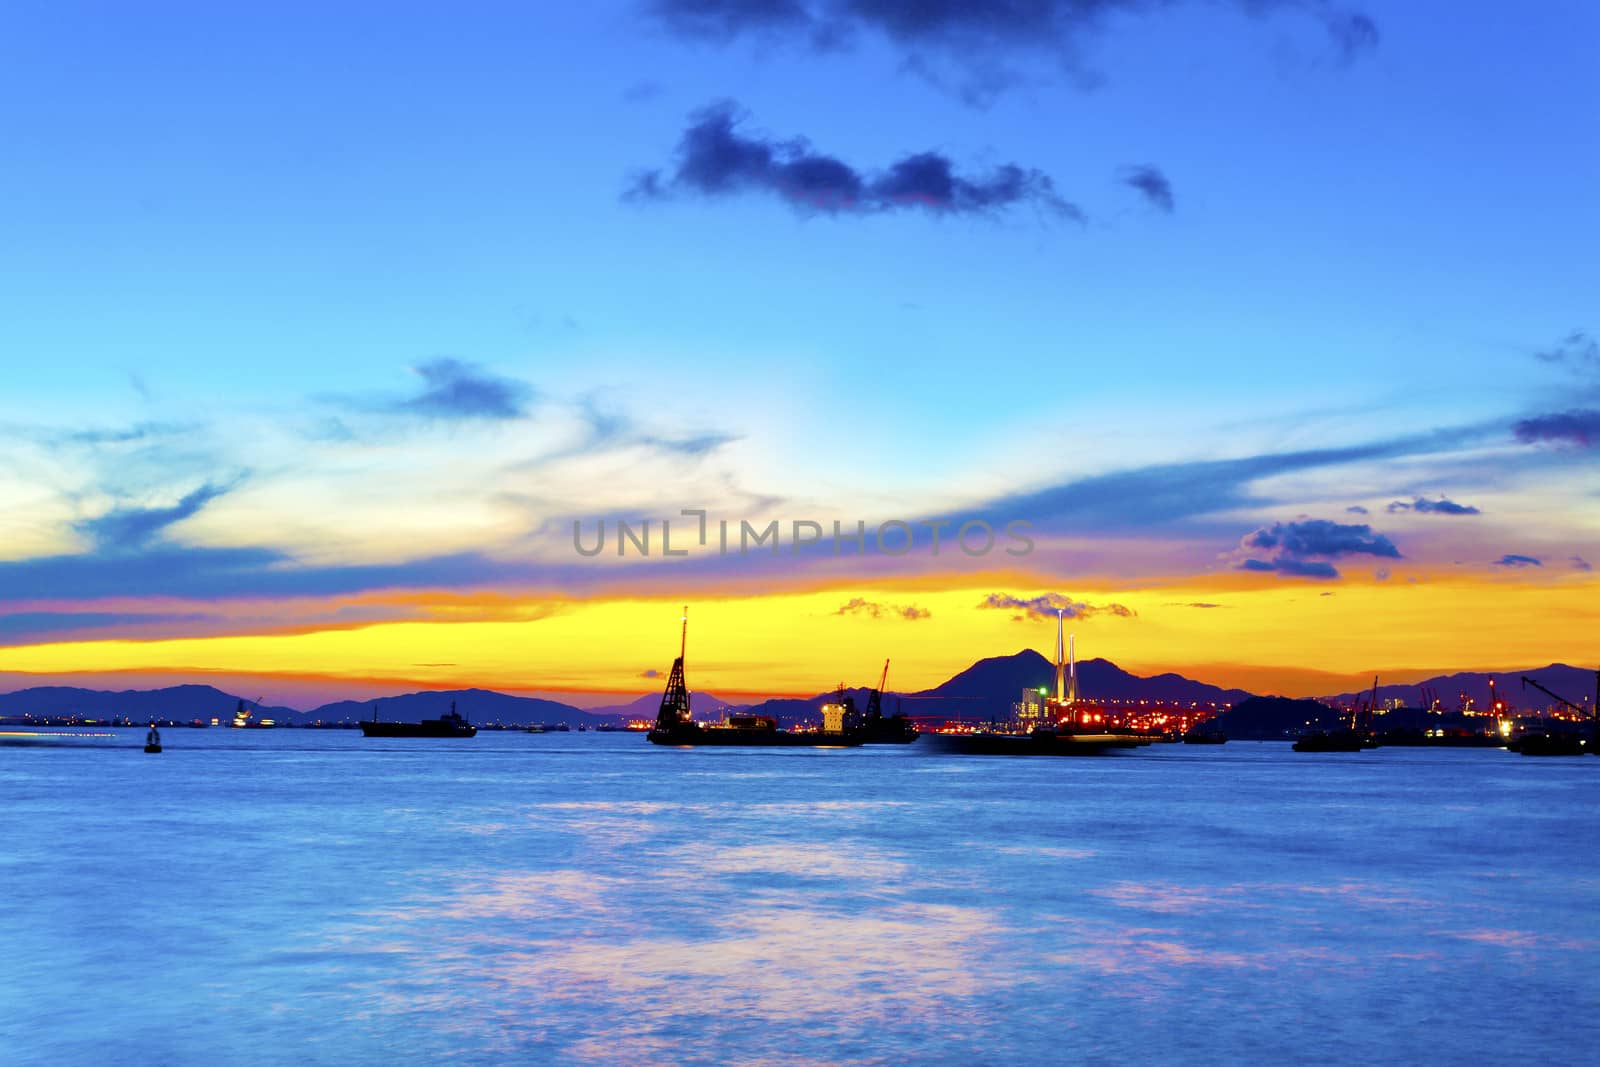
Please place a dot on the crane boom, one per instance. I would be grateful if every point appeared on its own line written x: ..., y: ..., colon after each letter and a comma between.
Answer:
x: 875, y: 700
x: 1526, y: 681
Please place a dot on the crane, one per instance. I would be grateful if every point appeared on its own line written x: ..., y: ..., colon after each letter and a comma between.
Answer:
x: 1526, y: 681
x: 875, y: 701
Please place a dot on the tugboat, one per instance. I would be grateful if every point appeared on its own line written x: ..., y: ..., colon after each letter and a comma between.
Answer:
x: 449, y: 725
x: 152, y: 740
x: 674, y: 726
x: 879, y: 729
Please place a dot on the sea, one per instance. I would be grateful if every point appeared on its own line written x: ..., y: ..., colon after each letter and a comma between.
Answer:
x: 299, y: 896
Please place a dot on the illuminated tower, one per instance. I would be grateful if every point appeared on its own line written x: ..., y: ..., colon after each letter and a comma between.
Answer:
x: 1061, y: 661
x: 1072, y: 670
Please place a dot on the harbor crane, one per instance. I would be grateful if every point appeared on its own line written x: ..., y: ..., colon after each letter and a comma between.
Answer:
x: 875, y: 701
x: 1526, y: 681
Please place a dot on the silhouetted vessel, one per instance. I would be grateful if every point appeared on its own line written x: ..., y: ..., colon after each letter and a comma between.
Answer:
x: 1060, y: 739
x: 1205, y: 737
x: 1549, y: 744
x: 1351, y: 739
x: 1335, y: 741
x: 674, y: 726
x: 876, y: 728
x: 448, y: 725
x: 152, y: 740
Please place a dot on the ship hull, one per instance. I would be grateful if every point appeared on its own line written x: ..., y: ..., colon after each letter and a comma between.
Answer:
x: 1039, y: 744
x: 1342, y: 741
x: 415, y: 729
x: 693, y: 734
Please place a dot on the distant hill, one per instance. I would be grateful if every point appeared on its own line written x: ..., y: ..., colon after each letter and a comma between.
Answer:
x: 1272, y: 718
x: 477, y: 705
x: 179, y: 702
x: 1577, y: 684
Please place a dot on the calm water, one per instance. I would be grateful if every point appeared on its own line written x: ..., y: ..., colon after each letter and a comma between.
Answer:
x: 313, y: 897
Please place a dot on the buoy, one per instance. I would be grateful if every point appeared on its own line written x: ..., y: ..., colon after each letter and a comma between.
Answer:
x: 152, y: 740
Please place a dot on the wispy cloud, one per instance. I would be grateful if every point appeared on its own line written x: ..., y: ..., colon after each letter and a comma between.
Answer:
x: 126, y: 528
x: 1441, y: 506
x: 874, y: 610
x: 1152, y: 185
x: 1513, y: 560
x: 1578, y: 351
x: 988, y: 46
x: 1579, y: 428
x: 716, y: 158
x: 453, y: 389
x: 1048, y: 605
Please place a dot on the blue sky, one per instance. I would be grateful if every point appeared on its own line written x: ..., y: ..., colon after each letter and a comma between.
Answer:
x: 244, y: 228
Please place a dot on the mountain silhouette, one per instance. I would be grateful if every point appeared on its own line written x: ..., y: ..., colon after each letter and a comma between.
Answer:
x: 1577, y: 684
x: 178, y: 702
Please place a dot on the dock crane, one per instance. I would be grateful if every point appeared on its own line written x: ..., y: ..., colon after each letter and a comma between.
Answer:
x: 1526, y: 681
x: 1556, y: 744
x: 875, y: 701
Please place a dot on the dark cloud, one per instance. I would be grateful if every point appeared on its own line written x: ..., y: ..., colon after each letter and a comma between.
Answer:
x: 651, y: 673
x: 1049, y: 604
x: 455, y: 390
x: 989, y: 46
x: 1305, y: 547
x: 1356, y: 509
x: 1152, y: 184
x: 1433, y: 507
x: 1512, y: 560
x: 124, y: 529
x: 1167, y: 493
x: 1580, y: 564
x: 1305, y: 538
x: 1579, y: 427
x: 1294, y: 568
x: 1201, y: 604
x: 1578, y: 351
x: 862, y: 606
x: 716, y: 158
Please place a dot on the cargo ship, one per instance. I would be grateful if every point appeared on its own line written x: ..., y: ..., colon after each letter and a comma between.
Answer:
x: 448, y: 725
x: 675, y: 726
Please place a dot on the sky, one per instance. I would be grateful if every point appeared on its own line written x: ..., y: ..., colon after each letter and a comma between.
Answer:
x: 1270, y: 324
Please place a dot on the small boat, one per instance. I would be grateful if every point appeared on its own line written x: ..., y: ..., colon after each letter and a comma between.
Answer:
x: 152, y: 740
